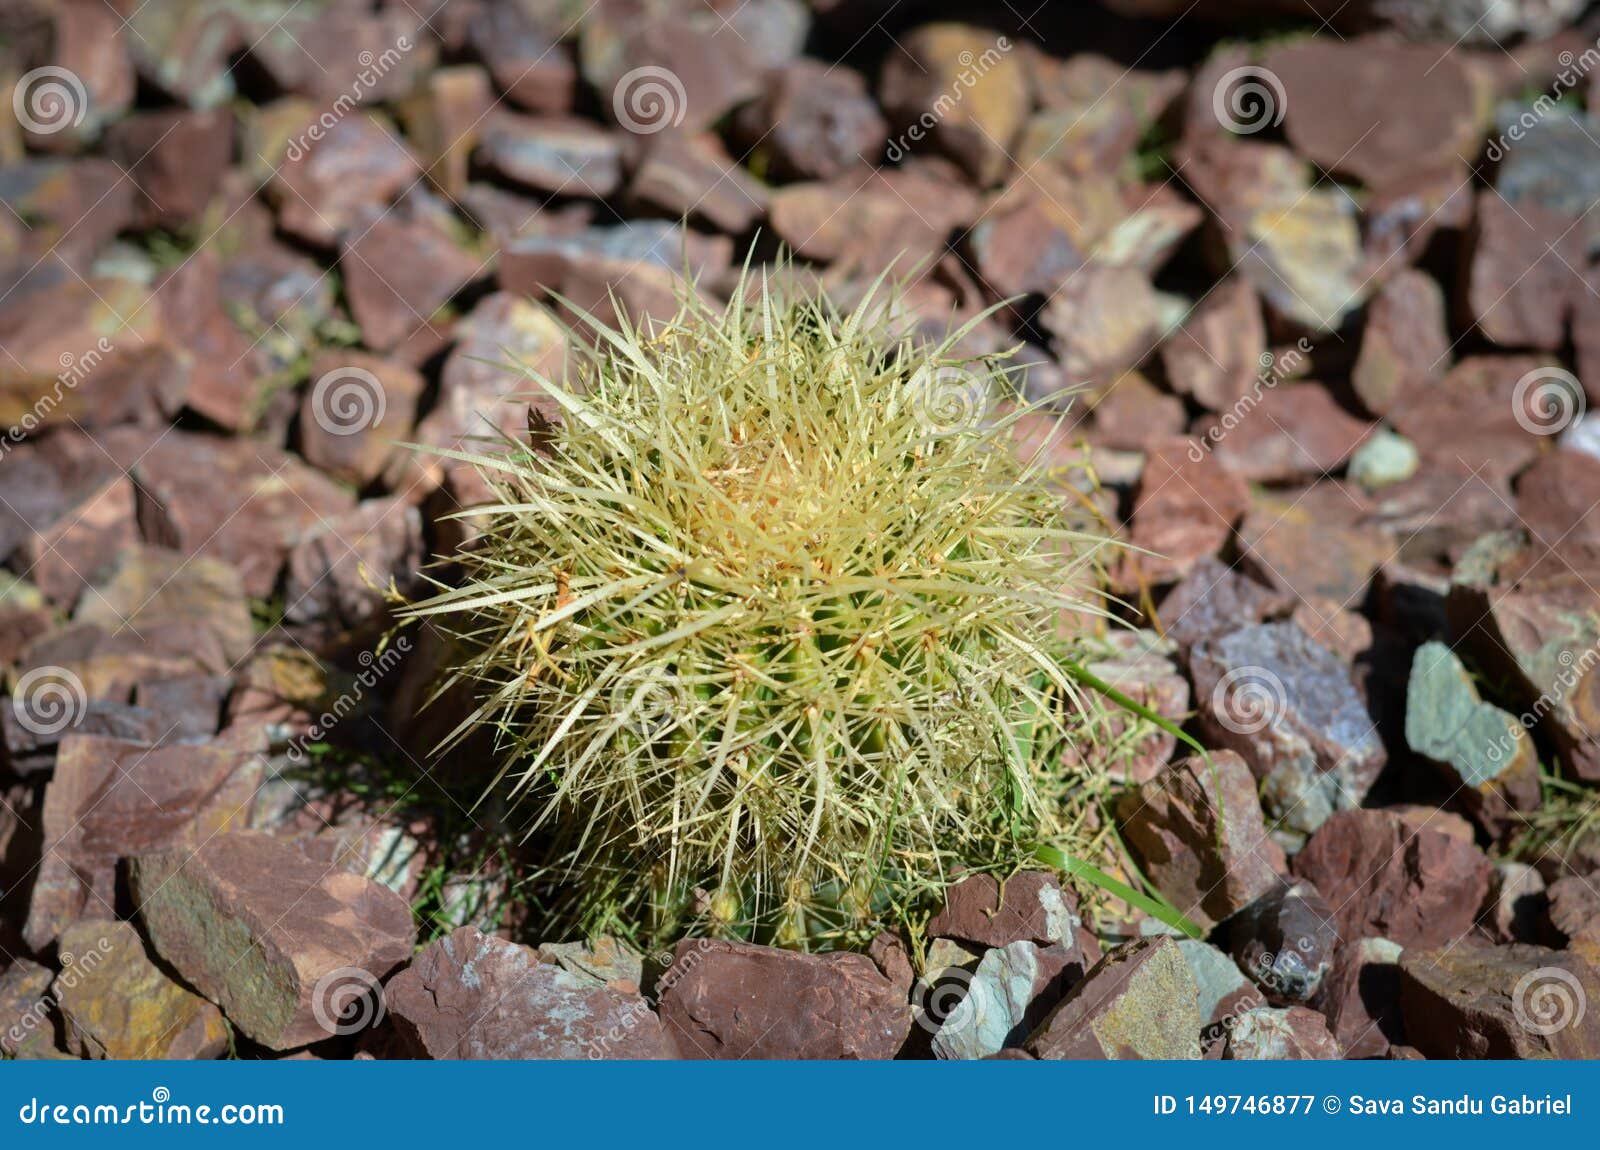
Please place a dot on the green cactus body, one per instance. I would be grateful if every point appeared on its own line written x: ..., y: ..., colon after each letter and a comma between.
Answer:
x: 767, y: 637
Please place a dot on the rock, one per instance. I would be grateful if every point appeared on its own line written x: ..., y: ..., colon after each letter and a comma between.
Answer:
x: 1140, y: 1002
x: 1127, y: 748
x: 603, y: 961
x: 1220, y: 354
x: 1517, y: 903
x: 1521, y: 285
x: 225, y: 367
x: 292, y: 952
x: 866, y: 220
x: 187, y: 708
x: 117, y: 1004
x: 27, y: 1025
x: 1574, y: 911
x: 815, y: 121
x: 1185, y: 509
x: 326, y: 55
x: 475, y: 996
x: 177, y: 158
x: 735, y: 1000
x: 1288, y: 707
x: 1418, y: 887
x: 1482, y: 415
x: 557, y: 156
x: 1030, y: 906
x: 1499, y: 1002
x: 1546, y: 165
x: 399, y: 270
x: 1214, y: 599
x: 445, y: 117
x: 694, y: 177
x: 357, y: 409
x: 524, y: 59
x: 1224, y: 990
x: 1198, y: 833
x: 1401, y: 222
x: 1294, y: 431
x: 85, y: 43
x: 1405, y: 347
x: 1492, y: 767
x: 112, y: 798
x: 1276, y: 1034
x: 1361, y: 998
x: 1093, y: 111
x: 1285, y: 941
x: 240, y: 502
x: 1007, y: 996
x: 1132, y: 414
x: 1340, y: 96
x: 324, y: 177
x: 1104, y: 320
x: 1383, y: 460
x: 150, y: 590
x: 1317, y: 543
x: 961, y: 87
x: 1345, y: 633
x: 341, y: 573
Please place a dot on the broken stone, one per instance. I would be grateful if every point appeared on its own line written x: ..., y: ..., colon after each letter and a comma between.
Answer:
x: 117, y: 1004
x: 1212, y: 600
x: 1285, y: 941
x: 1514, y: 1001
x: 693, y: 176
x: 357, y: 409
x: 399, y: 270
x: 1219, y: 355
x: 475, y: 996
x: 816, y: 121
x: 177, y: 158
x: 735, y: 1000
x: 1288, y: 707
x: 1294, y: 431
x: 524, y: 59
x: 1200, y: 838
x: 1140, y: 1002
x: 557, y: 156
x: 293, y: 952
x: 324, y: 177
x: 1521, y: 285
x: 1029, y: 906
x: 1185, y: 509
x: 1405, y: 347
x: 152, y: 589
x: 1416, y: 886
x: 1315, y: 543
x: 1224, y: 990
x: 342, y: 575
x: 1007, y: 996
x: 1276, y: 1034
x: 1517, y: 902
x: 1361, y: 998
x: 1104, y: 320
x: 1484, y: 750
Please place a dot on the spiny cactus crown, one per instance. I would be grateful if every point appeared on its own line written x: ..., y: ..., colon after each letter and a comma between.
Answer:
x: 769, y: 632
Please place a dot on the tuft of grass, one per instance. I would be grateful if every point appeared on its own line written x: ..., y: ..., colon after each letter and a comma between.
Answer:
x: 775, y: 633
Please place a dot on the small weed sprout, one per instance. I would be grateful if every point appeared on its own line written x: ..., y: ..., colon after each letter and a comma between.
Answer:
x: 774, y: 632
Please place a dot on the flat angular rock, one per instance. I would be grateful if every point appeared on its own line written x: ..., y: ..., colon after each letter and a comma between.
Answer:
x: 1030, y: 906
x: 357, y: 408
x: 1279, y: 1034
x: 1185, y: 509
x: 233, y: 500
x: 1405, y: 347
x: 735, y: 1000
x: 1007, y: 996
x: 1484, y: 749
x: 1361, y: 997
x: 1547, y: 165
x: 1214, y: 599
x: 1224, y: 990
x: 524, y: 58
x: 693, y: 176
x: 1200, y: 838
x: 1574, y: 911
x: 557, y: 156
x: 277, y: 940
x: 1319, y: 542
x: 182, y: 48
x: 1139, y: 1002
x: 474, y: 996
x: 152, y: 589
x: 444, y: 119
x: 112, y: 798
x: 1285, y: 941
x: 1481, y: 415
x: 1521, y: 285
x: 1288, y: 707
x: 1131, y: 749
x: 1416, y: 886
x: 399, y: 269
x: 340, y: 575
x: 117, y: 1004
x: 27, y: 1024
x: 1217, y: 356
x: 1499, y: 1002
x: 176, y: 157
x: 1295, y: 431
x: 816, y: 121
x: 323, y: 179
x: 327, y: 54
x: 1104, y: 320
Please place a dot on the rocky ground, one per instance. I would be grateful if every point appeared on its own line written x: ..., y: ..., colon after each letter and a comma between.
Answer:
x: 1324, y: 271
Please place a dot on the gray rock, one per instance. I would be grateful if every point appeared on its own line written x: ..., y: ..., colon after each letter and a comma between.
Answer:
x: 1009, y: 993
x: 1278, y: 1034
x: 1384, y: 459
